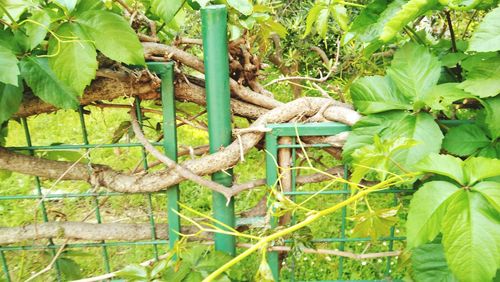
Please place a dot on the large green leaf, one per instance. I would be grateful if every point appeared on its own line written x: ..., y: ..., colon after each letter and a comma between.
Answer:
x: 441, y: 96
x: 478, y: 168
x: 490, y: 191
x: 374, y: 223
x: 374, y: 94
x: 73, y: 61
x: 427, y: 209
x: 419, y: 127
x: 429, y: 264
x: 483, y: 75
x: 45, y: 84
x: 491, y: 116
x: 414, y: 70
x: 67, y: 4
x: 471, y: 237
x: 10, y: 99
x: 37, y: 27
x: 243, y: 6
x: 368, y: 25
x: 339, y: 14
x: 410, y: 11
x: 486, y: 38
x: 166, y: 9
x: 322, y: 21
x: 113, y: 36
x: 446, y: 165
x: 311, y: 18
x: 8, y: 67
x: 465, y: 140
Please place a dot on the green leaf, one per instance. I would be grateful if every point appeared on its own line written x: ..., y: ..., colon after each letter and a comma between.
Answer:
x: 465, y: 140
x: 491, y: 116
x: 133, y: 272
x: 491, y: 151
x: 410, y: 11
x: 243, y: 6
x: 322, y: 21
x: 368, y: 25
x: 339, y: 13
x: 427, y: 209
x: 74, y: 62
x: 10, y: 99
x: 37, y: 31
x: 414, y: 70
x: 8, y: 67
x: 478, y: 168
x: 68, y: 4
x: 446, y: 165
x: 419, y: 127
x: 441, y: 96
x: 70, y: 269
x: 311, y: 18
x: 4, y: 174
x: 166, y: 9
x: 175, y: 274
x: 471, y: 237
x: 378, y: 157
x: 374, y: 223
x: 374, y: 94
x: 429, y: 264
x: 483, y: 75
x: 113, y: 36
x: 158, y: 268
x: 45, y: 84
x: 264, y: 273
x: 490, y: 191
x: 213, y: 261
x: 486, y: 38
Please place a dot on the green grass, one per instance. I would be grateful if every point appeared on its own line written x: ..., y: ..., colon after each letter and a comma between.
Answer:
x: 64, y: 127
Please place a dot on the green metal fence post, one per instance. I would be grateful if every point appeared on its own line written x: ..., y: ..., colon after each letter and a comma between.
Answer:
x: 166, y: 73
x: 214, y: 30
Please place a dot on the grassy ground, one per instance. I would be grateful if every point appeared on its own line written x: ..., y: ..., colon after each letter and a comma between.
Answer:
x: 64, y: 127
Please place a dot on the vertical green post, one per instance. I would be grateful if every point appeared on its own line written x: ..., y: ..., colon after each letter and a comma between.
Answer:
x: 214, y: 30
x: 166, y: 73
x: 271, y: 180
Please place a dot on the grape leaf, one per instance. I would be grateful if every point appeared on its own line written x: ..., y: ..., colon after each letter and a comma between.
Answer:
x: 45, y: 84
x: 112, y: 36
x: 73, y: 62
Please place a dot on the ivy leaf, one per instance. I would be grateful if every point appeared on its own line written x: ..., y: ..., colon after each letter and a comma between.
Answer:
x: 74, y: 62
x: 429, y: 264
x: 374, y: 94
x: 465, y: 140
x: 490, y: 191
x: 113, y: 36
x: 446, y: 165
x: 10, y: 99
x: 414, y: 70
x: 243, y: 6
x: 37, y: 32
x: 166, y: 9
x: 8, y: 67
x: 45, y: 84
x: 427, y: 209
x: 486, y: 38
x: 478, y: 168
x: 471, y: 237
x: 374, y: 223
